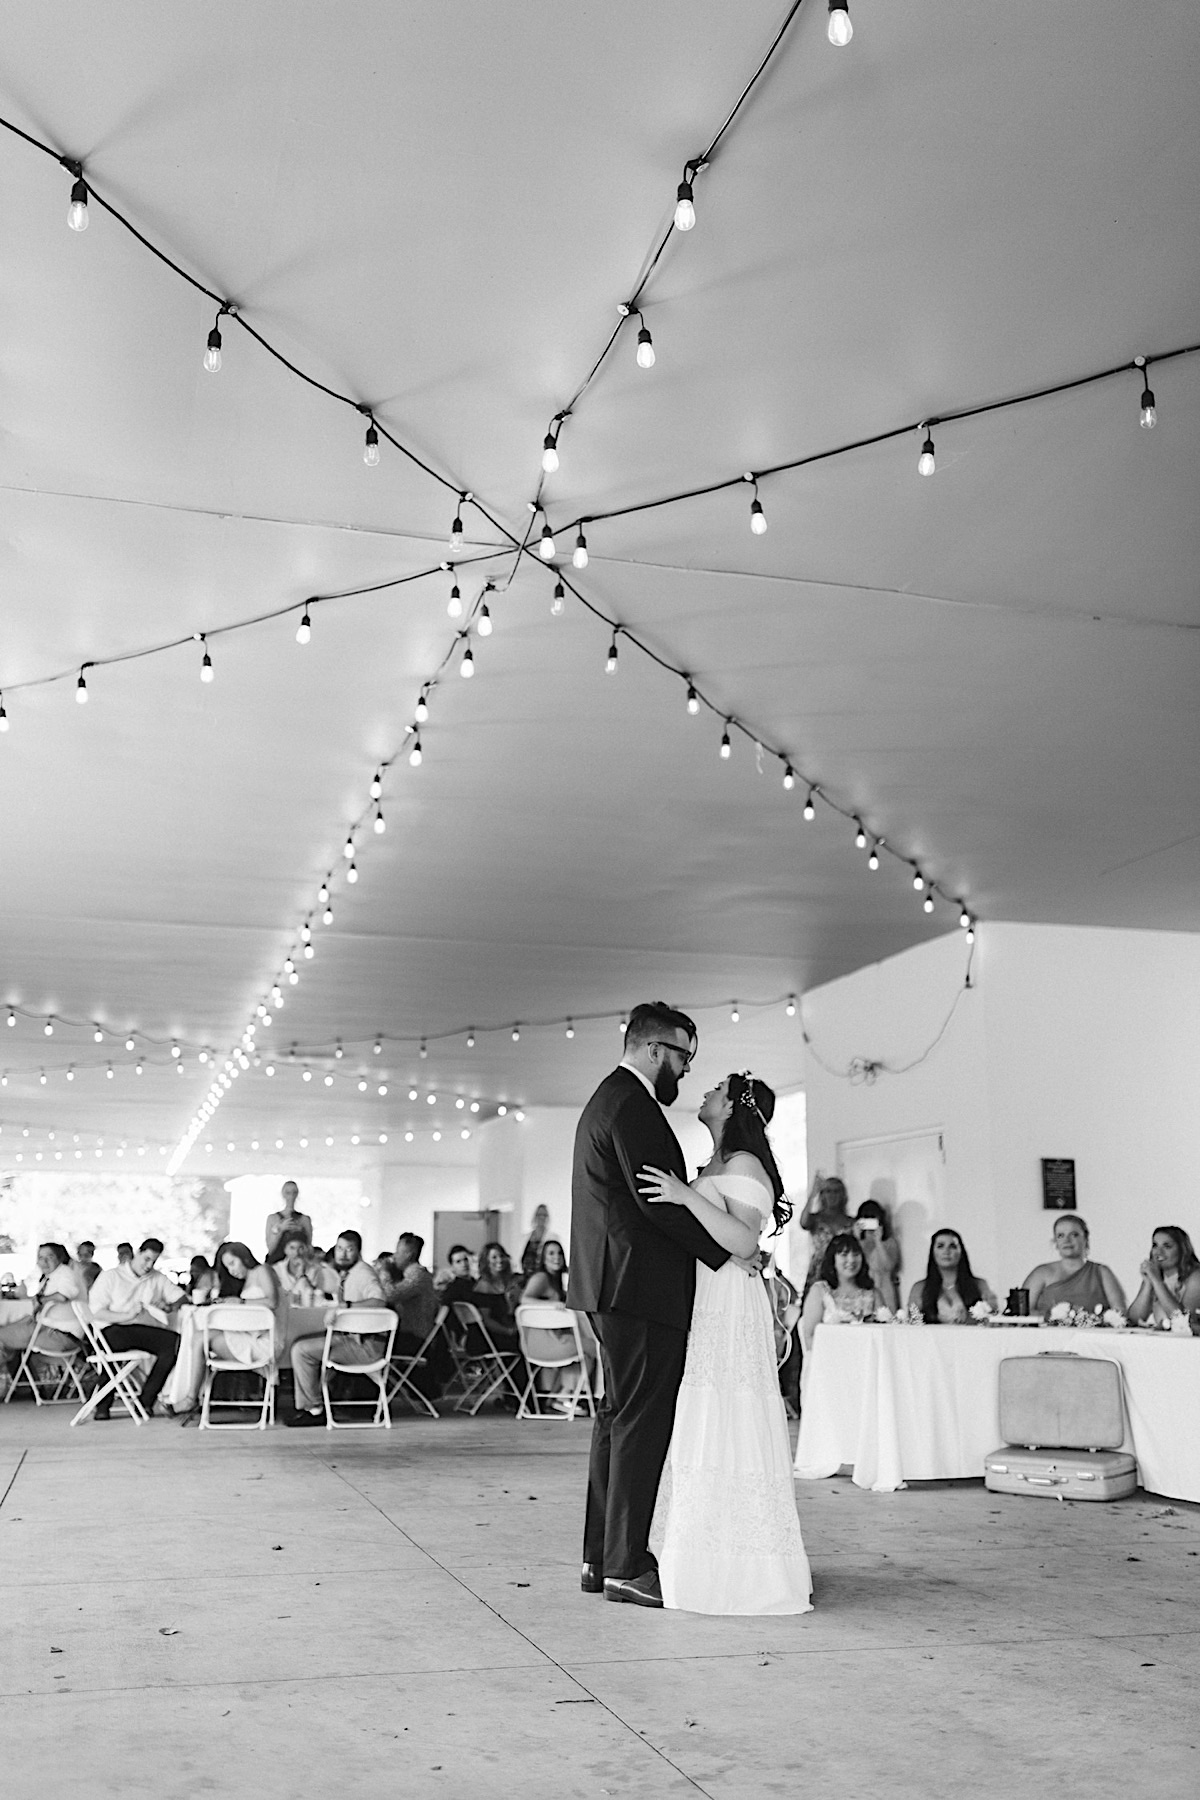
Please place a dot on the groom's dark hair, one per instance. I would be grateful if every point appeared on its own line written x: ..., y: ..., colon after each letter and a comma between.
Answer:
x: 652, y: 1018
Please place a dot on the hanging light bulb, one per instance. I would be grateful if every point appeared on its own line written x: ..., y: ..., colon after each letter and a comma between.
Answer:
x: 559, y: 600
x: 726, y: 745
x: 352, y: 873
x: 928, y: 903
x: 964, y: 918
x: 645, y: 349
x: 549, y: 453
x: 873, y: 859
x: 454, y: 605
x: 860, y: 836
x: 790, y: 1008
x: 685, y: 211
x: 579, y: 556
x: 129, y: 1045
x: 421, y: 709
x: 348, y: 849
x: 371, y: 447
x: 516, y: 1034
x: 734, y: 1015
x: 48, y: 1028
x: 71, y: 1072
x: 971, y: 932
x: 693, y: 700
x: 456, y: 530
x: 3, y: 715
x: 327, y: 916
x: 840, y: 29
x: 423, y: 1049
x: 212, y: 351
x: 12, y: 1018
x: 377, y: 1047
x: 789, y: 778
x: 483, y: 619
x: 380, y: 823
x: 323, y: 893
x: 546, y: 544
x: 610, y: 665
x: 97, y: 1036
x: 1148, y: 417
x: 206, y: 666
x: 919, y: 881
x: 758, y: 518
x: 925, y: 462
x: 570, y: 1032
x: 81, y: 690
x: 810, y: 811
x: 304, y: 628
x: 77, y: 212
x: 466, y: 667
x: 108, y: 1072
x: 416, y: 755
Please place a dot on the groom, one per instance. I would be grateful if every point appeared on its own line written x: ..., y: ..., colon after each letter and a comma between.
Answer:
x: 633, y: 1271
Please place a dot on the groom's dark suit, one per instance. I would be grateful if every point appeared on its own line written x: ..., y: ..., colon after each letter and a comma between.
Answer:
x: 633, y: 1269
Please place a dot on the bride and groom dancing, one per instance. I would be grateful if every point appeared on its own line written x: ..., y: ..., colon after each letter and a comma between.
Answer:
x: 690, y: 1447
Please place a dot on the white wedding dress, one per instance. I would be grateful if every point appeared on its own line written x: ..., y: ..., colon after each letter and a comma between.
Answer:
x: 726, y: 1532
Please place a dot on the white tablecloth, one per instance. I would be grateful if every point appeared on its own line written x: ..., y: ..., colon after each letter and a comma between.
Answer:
x: 12, y: 1310
x: 920, y: 1403
x: 183, y: 1383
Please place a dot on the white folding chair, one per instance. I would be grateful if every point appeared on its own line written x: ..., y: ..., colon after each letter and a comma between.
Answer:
x: 541, y: 1325
x: 66, y: 1377
x: 486, y: 1370
x: 114, y: 1372
x: 402, y: 1365
x: 360, y: 1322
x: 258, y: 1324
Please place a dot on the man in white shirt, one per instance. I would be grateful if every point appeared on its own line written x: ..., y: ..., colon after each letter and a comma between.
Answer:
x: 50, y: 1316
x: 349, y: 1282
x: 119, y: 1302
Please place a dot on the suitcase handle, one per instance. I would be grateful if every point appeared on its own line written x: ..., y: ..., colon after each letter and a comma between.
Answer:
x: 1043, y: 1480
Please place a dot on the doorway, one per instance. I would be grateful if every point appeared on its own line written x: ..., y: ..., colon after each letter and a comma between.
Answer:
x: 474, y: 1229
x: 906, y: 1173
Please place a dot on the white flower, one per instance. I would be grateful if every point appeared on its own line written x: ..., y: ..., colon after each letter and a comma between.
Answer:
x: 1115, y: 1319
x: 882, y: 1316
x: 1180, y: 1325
x: 1060, y: 1313
x: 981, y: 1310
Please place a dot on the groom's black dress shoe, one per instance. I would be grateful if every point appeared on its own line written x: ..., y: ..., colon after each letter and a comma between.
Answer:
x: 591, y: 1580
x: 637, y: 1590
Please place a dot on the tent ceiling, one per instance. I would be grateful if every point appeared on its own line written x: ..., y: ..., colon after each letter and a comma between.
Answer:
x: 436, y: 210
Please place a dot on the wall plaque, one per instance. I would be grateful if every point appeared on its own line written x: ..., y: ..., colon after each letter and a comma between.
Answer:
x: 1058, y: 1184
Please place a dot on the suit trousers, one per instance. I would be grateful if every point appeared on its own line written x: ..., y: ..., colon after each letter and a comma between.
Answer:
x: 643, y: 1367
x: 155, y: 1341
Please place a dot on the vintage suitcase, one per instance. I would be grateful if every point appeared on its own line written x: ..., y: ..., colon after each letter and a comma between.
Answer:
x: 1064, y: 1419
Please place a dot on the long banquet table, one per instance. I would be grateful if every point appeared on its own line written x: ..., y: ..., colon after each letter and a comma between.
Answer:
x: 183, y: 1383
x: 904, y: 1403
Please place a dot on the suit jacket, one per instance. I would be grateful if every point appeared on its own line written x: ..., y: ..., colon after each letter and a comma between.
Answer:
x: 627, y: 1254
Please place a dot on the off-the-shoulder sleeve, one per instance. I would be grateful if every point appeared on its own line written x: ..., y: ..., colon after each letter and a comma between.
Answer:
x: 747, y: 1191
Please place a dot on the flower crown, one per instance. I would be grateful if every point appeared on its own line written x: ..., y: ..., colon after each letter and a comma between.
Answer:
x: 746, y: 1097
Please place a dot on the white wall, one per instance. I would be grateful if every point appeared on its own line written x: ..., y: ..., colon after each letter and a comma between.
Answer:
x: 410, y: 1194
x: 1073, y: 1042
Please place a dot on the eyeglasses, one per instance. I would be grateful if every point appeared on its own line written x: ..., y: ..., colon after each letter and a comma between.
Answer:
x: 688, y: 1056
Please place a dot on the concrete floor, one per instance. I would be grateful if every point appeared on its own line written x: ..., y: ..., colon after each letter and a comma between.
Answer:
x: 367, y: 1614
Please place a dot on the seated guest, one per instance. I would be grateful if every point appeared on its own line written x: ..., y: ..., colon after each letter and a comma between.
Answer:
x: 411, y: 1293
x: 456, y: 1282
x: 56, y: 1325
x: 348, y: 1281
x: 951, y: 1287
x: 201, y: 1281
x: 295, y: 1266
x: 881, y: 1248
x: 246, y: 1278
x: 549, y: 1278
x: 1073, y: 1280
x: 124, y: 1252
x: 256, y: 1287
x: 119, y: 1302
x: 287, y: 1218
x: 843, y: 1288
x: 85, y: 1261
x: 495, y: 1293
x: 826, y: 1213
x: 1170, y: 1278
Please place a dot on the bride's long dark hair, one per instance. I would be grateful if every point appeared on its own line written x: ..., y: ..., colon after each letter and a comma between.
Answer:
x: 746, y: 1129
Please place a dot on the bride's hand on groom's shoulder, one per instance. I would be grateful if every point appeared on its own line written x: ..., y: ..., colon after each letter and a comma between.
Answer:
x: 662, y: 1188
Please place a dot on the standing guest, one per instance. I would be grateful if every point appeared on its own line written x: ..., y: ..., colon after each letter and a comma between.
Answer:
x: 1073, y: 1280
x: 634, y: 1273
x: 119, y: 1302
x: 287, y: 1218
x: 85, y: 1261
x: 549, y: 1279
x: 1170, y: 1278
x: 951, y: 1287
x: 57, y: 1327
x: 873, y: 1229
x: 348, y: 1281
x: 124, y: 1252
x: 844, y: 1289
x: 826, y: 1213
x: 538, y: 1227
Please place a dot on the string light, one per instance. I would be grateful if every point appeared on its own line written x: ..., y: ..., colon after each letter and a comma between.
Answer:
x: 371, y: 447
x: 550, y: 452
x: 810, y: 811
x: 304, y: 628
x: 579, y: 556
x: 81, y: 688
x: 327, y: 916
x: 1148, y: 417
x: 559, y: 600
x: 352, y: 873
x: 840, y: 30
x: 735, y: 1015
x: 789, y: 778
x: 456, y: 530
x: 873, y: 859
x: 919, y: 881
x: 610, y: 665
x: 685, y: 210
x: 416, y: 755
x: 645, y: 346
x: 12, y: 1018
x: 380, y: 823
x: 758, y: 518
x: 454, y: 606
x: 928, y: 903
x: 466, y: 667
x: 925, y: 462
x: 206, y: 666
x: 516, y: 1034
x: 97, y: 1036
x: 3, y: 715
x: 421, y: 709
x: 860, y: 836
x: 964, y: 918
x: 323, y: 893
x: 377, y: 1047
x: 483, y: 618
x: 48, y: 1028
x: 348, y: 849
x: 790, y: 1008
x: 77, y: 211
x: 693, y: 700
x: 570, y: 1031
x: 547, y: 549
x: 471, y: 1038
x: 376, y: 787
x: 212, y: 350
x: 726, y: 745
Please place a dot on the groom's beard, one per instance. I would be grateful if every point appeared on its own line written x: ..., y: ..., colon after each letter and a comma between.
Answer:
x: 666, y: 1085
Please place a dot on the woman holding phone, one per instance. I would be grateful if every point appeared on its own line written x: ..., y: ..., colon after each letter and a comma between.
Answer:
x: 880, y: 1249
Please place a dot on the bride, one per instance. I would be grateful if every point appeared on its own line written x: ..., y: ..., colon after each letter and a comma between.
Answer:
x: 725, y: 1526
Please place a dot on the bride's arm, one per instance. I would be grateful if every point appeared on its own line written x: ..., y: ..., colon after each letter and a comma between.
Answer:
x: 658, y: 1186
